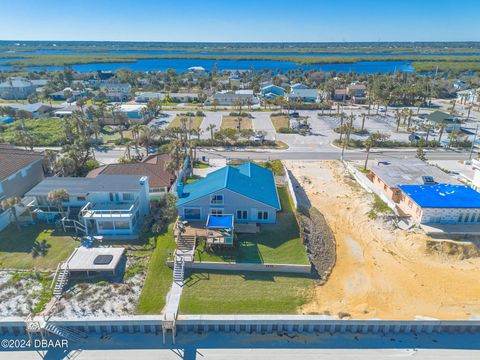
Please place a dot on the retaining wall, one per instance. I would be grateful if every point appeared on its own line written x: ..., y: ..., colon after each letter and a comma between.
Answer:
x: 290, y: 186
x: 225, y: 266
x: 248, y: 324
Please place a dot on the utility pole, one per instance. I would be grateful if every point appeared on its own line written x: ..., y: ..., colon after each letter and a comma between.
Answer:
x: 473, y: 143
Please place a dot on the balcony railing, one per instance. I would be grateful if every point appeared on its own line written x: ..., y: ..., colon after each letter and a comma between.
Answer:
x: 106, y: 210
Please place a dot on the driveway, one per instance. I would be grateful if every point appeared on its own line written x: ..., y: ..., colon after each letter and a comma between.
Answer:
x: 261, y: 122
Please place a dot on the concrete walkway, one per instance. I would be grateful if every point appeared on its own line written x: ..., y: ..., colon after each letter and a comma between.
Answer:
x: 173, y: 300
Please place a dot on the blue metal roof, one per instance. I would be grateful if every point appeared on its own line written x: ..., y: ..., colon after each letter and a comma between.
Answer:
x: 248, y: 179
x: 443, y: 196
x: 223, y: 221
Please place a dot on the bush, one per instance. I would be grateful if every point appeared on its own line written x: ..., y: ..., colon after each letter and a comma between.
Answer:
x: 200, y: 113
x: 284, y: 130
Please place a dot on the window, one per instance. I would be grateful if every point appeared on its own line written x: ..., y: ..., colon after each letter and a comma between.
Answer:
x: 216, y: 199
x: 127, y: 196
x: 191, y: 214
x: 410, y: 203
x: 122, y: 225
x: 385, y: 187
x: 473, y: 218
x: 460, y: 218
x: 466, y: 217
x: 262, y: 215
x: 105, y: 225
x: 216, y: 211
x: 242, y: 214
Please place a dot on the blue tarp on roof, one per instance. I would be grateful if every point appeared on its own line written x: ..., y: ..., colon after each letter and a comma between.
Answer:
x: 7, y: 120
x: 443, y: 196
x: 224, y: 221
x: 248, y: 179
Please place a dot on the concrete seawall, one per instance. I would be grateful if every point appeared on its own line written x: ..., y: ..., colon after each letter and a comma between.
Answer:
x: 248, y: 324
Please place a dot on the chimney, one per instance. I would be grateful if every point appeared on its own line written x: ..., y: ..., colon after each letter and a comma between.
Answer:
x: 180, y: 189
x: 143, y: 180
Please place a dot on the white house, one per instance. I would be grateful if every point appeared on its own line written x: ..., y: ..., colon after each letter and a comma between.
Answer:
x: 107, y: 205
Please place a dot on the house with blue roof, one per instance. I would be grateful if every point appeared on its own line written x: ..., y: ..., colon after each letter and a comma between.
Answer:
x: 247, y: 192
x: 272, y: 92
x: 441, y: 203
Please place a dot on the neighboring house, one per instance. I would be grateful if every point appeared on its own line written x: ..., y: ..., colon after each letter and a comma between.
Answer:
x: 247, y: 192
x: 357, y: 93
x: 144, y: 97
x: 67, y: 94
x: 159, y: 179
x: 272, y: 92
x: 388, y: 174
x: 303, y: 95
x: 470, y: 96
x: 298, y: 86
x: 451, y: 122
x: 35, y: 110
x: 20, y: 171
x: 133, y: 112
x: 116, y: 91
x: 17, y: 89
x: 198, y: 70
x: 340, y: 94
x: 183, y: 97
x: 441, y: 204
x: 107, y: 205
x: 460, y: 85
x: 231, y: 99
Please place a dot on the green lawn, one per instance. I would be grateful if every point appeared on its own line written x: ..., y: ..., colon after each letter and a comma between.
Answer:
x: 35, y: 247
x: 159, y: 276
x: 278, y: 243
x: 195, y: 125
x: 244, y: 293
x: 280, y: 121
x: 43, y: 132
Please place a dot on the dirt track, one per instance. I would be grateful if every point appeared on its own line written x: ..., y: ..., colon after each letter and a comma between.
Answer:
x: 381, y: 272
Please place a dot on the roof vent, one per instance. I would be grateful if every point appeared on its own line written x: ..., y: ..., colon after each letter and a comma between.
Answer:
x: 428, y: 180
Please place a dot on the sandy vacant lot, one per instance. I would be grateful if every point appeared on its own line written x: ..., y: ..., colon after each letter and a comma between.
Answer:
x: 382, y: 272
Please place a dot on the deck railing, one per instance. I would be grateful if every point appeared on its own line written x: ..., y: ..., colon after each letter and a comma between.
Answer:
x: 88, y: 210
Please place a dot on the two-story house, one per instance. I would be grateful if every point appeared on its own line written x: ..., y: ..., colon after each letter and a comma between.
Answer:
x: 107, y: 205
x: 247, y: 192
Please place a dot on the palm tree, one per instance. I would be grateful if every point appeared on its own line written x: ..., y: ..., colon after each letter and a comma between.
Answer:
x: 442, y: 129
x: 398, y: 118
x: 11, y: 204
x: 211, y: 128
x: 363, y: 121
x: 372, y: 141
x: 58, y: 197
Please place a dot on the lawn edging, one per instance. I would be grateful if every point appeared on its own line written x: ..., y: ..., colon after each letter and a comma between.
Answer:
x: 232, y: 266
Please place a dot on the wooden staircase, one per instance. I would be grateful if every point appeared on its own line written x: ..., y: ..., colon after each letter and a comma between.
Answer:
x: 60, y: 279
x: 186, y: 247
x: 66, y: 333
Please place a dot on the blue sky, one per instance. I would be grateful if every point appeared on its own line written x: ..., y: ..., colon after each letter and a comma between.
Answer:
x: 241, y: 20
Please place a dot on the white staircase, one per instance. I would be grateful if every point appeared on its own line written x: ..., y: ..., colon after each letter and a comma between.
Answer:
x: 60, y: 279
x: 179, y: 270
x: 73, y: 224
x: 67, y: 333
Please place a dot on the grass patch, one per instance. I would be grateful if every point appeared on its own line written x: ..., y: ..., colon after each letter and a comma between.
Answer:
x: 378, y: 207
x: 275, y: 166
x: 278, y: 243
x: 231, y: 122
x: 244, y: 293
x: 194, y: 125
x: 35, y: 247
x: 200, y: 165
x: 279, y: 121
x: 40, y: 132
x: 192, y: 179
x: 159, y: 276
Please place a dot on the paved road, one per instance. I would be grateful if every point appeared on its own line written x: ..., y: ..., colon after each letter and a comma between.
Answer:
x: 326, y: 155
x: 216, y: 346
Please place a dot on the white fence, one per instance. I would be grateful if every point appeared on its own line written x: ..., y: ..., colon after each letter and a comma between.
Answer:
x: 6, y: 216
x: 368, y: 186
x: 290, y: 186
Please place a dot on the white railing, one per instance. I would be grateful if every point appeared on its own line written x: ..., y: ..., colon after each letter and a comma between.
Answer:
x: 88, y: 210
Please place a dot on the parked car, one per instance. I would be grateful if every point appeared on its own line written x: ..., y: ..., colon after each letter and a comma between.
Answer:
x: 294, y: 114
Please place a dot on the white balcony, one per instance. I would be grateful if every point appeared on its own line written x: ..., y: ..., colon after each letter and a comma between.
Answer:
x: 108, y: 210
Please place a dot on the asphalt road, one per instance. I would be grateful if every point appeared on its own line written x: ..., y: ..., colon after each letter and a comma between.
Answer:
x: 327, y: 155
x: 220, y: 346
